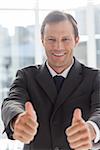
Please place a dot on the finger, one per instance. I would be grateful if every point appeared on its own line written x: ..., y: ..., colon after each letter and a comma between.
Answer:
x: 85, y: 147
x: 26, y: 128
x: 77, y: 127
x: 22, y: 139
x: 77, y: 115
x: 80, y: 143
x: 27, y: 136
x: 30, y: 110
x: 80, y: 135
x: 32, y: 125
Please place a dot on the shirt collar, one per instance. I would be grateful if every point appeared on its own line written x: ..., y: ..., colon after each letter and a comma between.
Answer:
x: 63, y: 74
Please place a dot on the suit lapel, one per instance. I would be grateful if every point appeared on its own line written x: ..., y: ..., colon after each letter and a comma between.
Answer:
x: 70, y: 84
x: 45, y: 80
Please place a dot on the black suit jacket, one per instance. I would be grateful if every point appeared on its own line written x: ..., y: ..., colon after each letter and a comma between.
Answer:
x: 81, y: 89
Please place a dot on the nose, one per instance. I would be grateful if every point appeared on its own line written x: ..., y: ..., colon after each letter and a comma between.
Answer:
x: 59, y: 45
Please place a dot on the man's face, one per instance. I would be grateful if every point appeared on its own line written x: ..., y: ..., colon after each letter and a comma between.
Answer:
x: 59, y: 41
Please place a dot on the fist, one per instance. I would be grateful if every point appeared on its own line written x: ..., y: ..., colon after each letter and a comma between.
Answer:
x: 25, y: 125
x: 80, y: 134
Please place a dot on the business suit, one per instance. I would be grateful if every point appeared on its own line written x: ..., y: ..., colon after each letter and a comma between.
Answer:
x: 80, y: 89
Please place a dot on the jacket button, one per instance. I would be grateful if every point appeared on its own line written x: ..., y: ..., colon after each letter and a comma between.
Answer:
x: 56, y: 148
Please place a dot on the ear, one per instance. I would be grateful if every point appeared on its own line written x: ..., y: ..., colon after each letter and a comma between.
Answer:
x: 77, y: 40
x: 42, y: 39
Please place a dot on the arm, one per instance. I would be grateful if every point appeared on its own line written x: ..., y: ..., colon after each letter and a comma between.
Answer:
x: 89, y: 130
x: 14, y: 104
x: 80, y: 134
x: 97, y: 130
x: 25, y: 125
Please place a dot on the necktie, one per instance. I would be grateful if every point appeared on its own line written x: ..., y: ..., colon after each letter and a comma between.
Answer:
x: 58, y: 82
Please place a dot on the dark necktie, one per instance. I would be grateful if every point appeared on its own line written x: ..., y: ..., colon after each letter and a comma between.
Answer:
x: 58, y: 82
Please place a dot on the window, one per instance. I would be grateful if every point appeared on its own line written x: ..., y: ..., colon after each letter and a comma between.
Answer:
x: 20, y: 44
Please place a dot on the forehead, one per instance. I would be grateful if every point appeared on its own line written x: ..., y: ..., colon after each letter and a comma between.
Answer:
x: 62, y: 27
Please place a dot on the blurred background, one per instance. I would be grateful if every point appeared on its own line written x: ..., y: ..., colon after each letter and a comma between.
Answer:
x: 20, y: 45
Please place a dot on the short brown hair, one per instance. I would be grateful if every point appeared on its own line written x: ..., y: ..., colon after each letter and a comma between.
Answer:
x: 57, y: 16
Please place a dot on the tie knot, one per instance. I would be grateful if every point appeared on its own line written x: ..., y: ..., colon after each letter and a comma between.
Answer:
x: 58, y: 81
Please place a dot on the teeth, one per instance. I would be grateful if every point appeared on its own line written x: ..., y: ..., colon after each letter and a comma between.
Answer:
x: 59, y: 54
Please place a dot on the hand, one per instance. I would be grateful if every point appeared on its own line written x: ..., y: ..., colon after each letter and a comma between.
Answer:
x: 25, y: 125
x: 80, y: 134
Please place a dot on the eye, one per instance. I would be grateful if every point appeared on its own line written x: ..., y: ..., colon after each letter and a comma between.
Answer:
x: 66, y: 39
x: 51, y: 39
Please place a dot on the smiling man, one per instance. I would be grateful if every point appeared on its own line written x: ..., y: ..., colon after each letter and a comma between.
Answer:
x: 55, y: 106
x: 59, y: 40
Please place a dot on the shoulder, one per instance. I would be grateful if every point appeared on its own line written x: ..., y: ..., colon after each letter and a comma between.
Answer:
x: 90, y: 72
x: 32, y: 68
x: 85, y: 67
x: 86, y: 70
x: 29, y: 71
x: 90, y: 69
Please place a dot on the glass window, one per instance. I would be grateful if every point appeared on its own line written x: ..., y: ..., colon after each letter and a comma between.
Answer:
x: 81, y: 52
x: 98, y: 52
x: 62, y: 4
x: 17, y: 4
x: 80, y: 16
x: 20, y: 43
x: 97, y: 20
x: 17, y: 49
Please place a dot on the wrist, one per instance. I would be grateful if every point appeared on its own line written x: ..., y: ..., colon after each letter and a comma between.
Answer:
x: 92, y: 131
x: 13, y: 122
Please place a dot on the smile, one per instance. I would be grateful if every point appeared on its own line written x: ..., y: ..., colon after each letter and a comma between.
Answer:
x: 58, y: 54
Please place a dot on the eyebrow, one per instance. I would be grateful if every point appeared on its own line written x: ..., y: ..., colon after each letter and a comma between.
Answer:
x: 66, y: 36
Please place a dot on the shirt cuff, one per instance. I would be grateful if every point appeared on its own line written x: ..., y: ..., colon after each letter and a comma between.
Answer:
x: 11, y: 127
x: 97, y: 130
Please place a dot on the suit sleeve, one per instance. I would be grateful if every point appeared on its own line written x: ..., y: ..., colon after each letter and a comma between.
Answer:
x: 95, y: 104
x: 95, y: 100
x: 14, y: 104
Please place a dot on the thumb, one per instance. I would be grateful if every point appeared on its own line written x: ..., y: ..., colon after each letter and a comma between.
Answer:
x: 29, y: 109
x: 77, y: 115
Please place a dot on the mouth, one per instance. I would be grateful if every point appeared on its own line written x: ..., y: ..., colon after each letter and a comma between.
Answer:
x: 58, y: 54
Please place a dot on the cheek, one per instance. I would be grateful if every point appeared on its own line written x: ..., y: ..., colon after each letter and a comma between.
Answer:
x: 69, y: 46
x: 47, y: 51
x: 47, y: 46
x: 69, y: 51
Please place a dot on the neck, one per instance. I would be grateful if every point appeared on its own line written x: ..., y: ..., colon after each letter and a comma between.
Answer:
x: 60, y: 69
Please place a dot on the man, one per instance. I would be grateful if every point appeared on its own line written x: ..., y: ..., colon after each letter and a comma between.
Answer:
x: 44, y: 114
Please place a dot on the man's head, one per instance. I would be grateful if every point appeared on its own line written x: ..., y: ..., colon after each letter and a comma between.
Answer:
x: 58, y: 16
x: 59, y: 34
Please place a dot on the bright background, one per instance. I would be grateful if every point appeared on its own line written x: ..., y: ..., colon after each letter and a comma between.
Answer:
x: 20, y: 44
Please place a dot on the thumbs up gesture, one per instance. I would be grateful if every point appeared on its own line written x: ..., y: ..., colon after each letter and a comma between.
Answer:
x: 80, y: 134
x: 25, y: 126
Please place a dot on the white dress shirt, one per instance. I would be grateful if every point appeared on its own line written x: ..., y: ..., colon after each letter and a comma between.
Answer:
x: 64, y: 74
